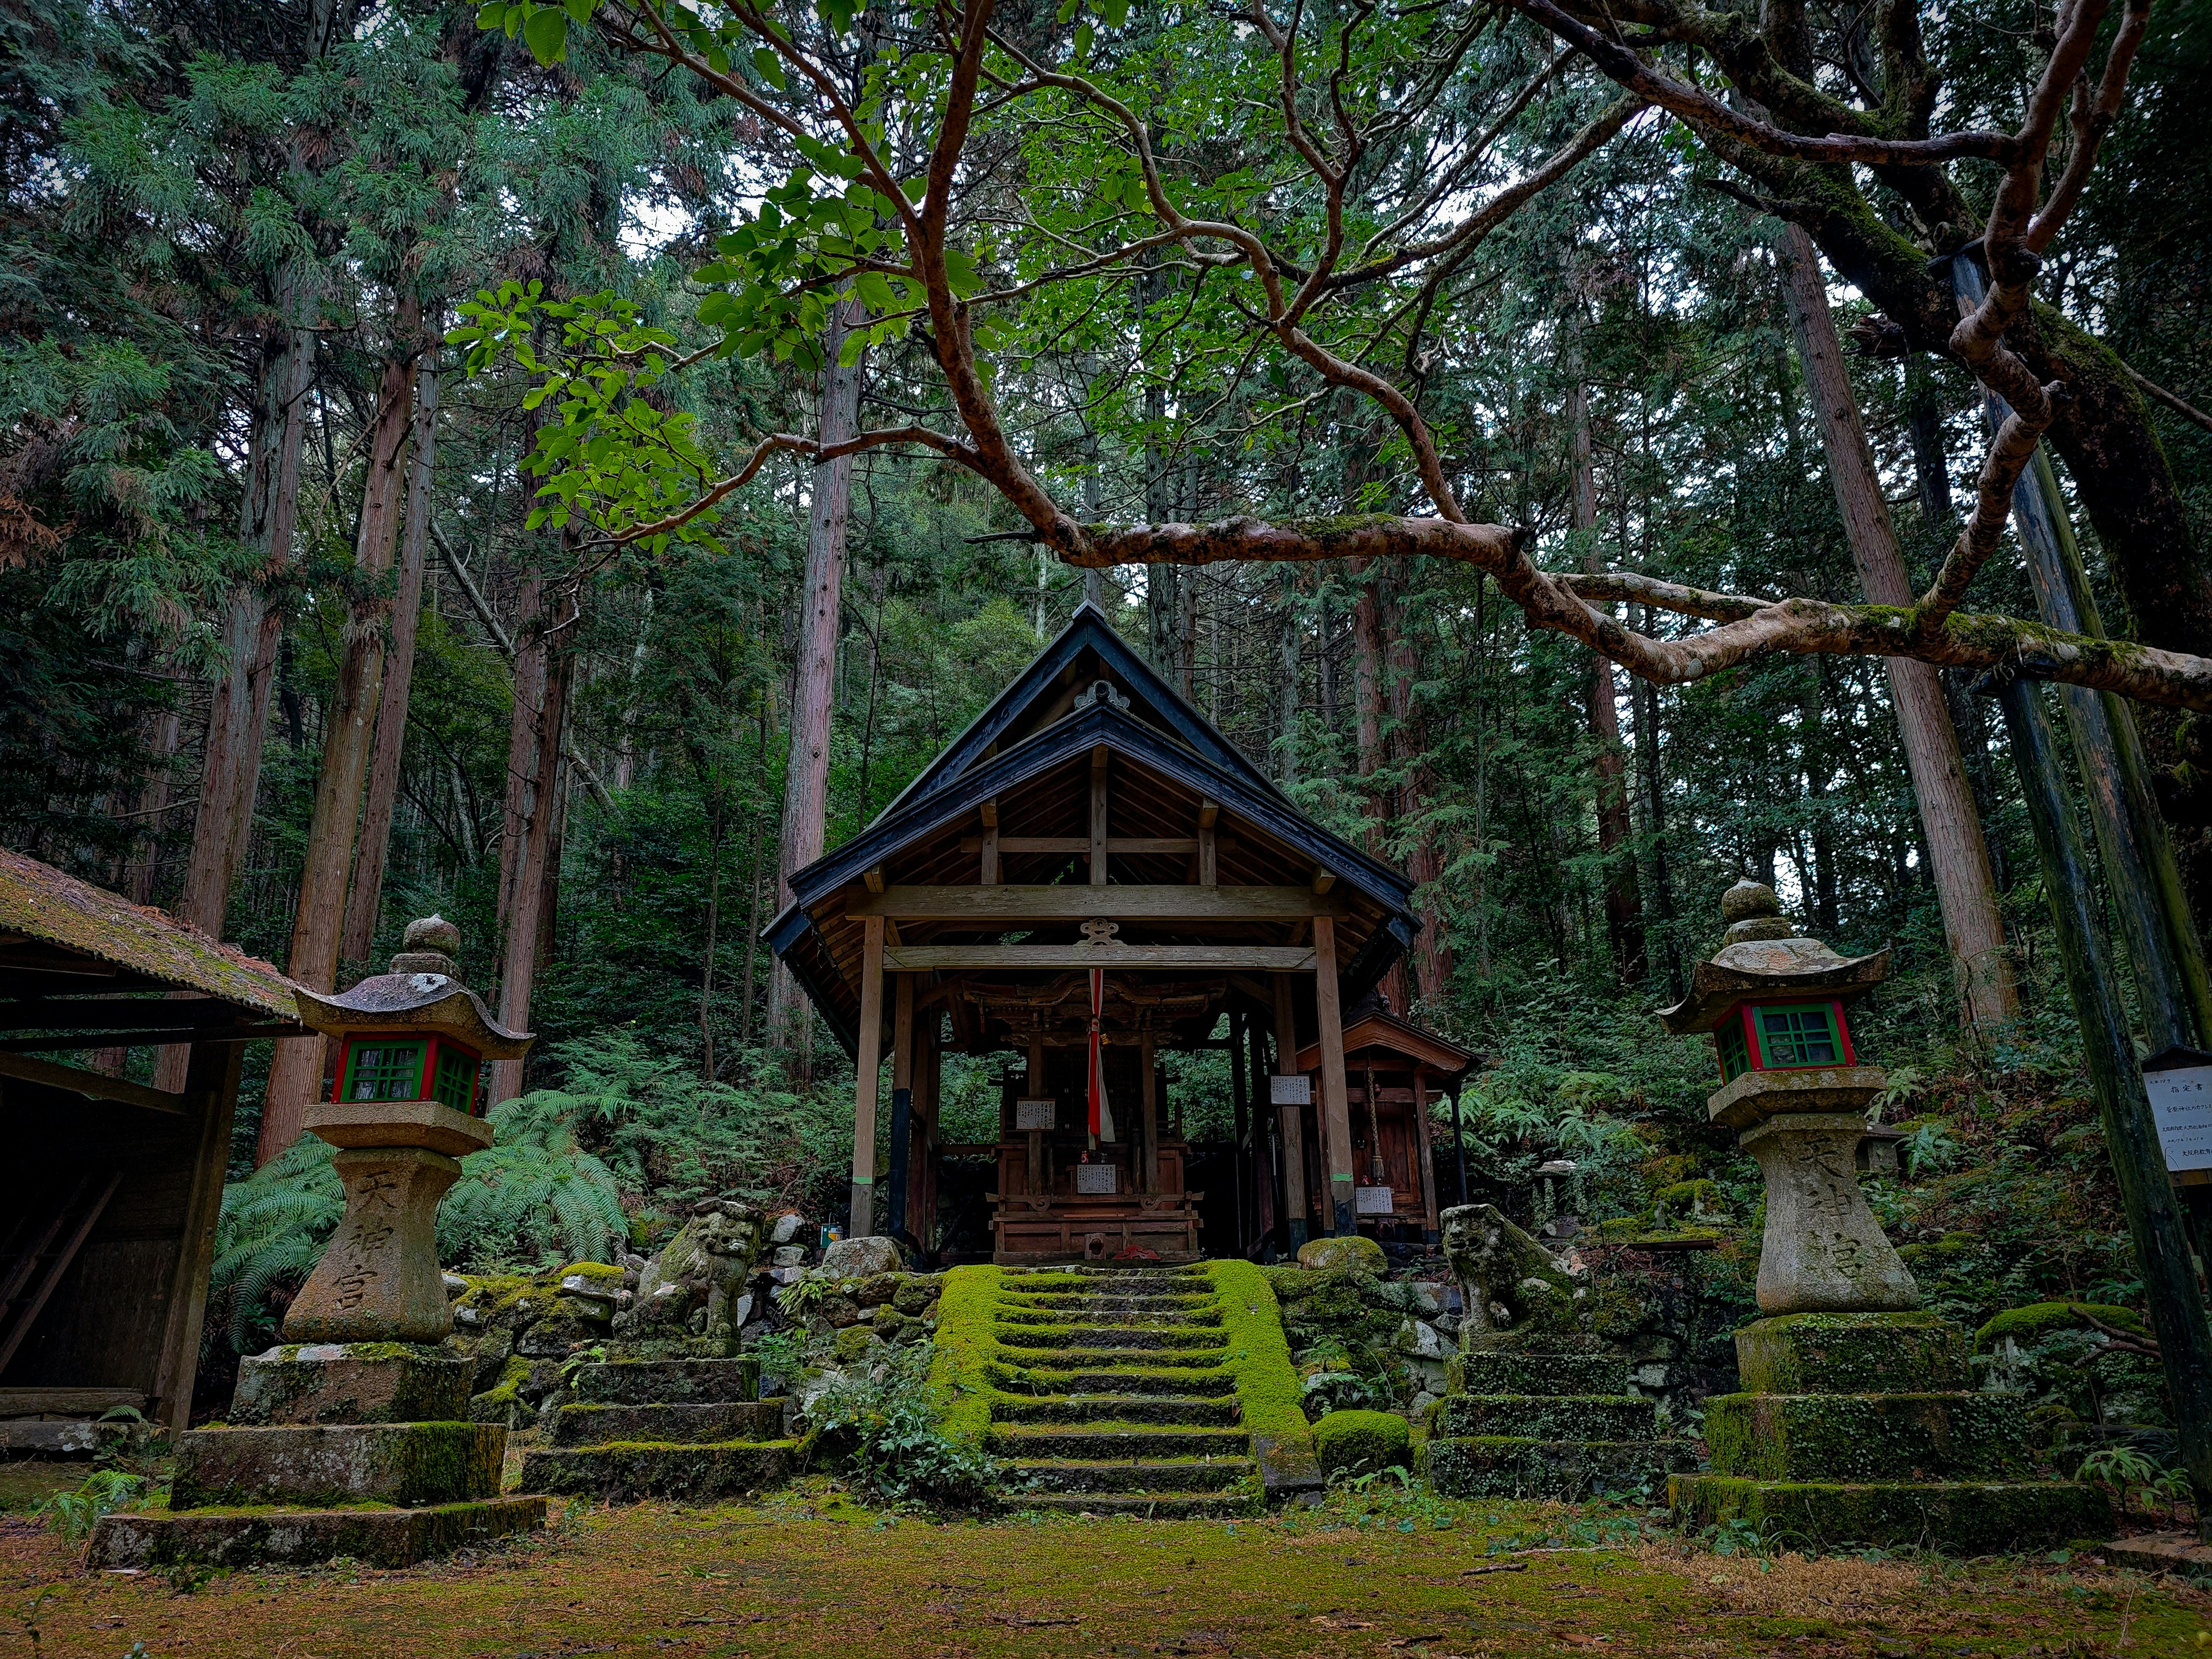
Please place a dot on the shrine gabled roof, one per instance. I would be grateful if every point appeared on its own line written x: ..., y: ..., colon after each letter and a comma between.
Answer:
x: 1088, y: 648
x: 51, y: 922
x: 924, y: 824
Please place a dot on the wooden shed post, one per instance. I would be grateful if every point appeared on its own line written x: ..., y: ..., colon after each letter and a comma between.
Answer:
x: 211, y: 1090
x: 1336, y: 1106
x: 902, y: 1103
x: 1290, y: 1117
x: 1148, y: 1177
x: 866, y: 1077
x: 1429, y: 1232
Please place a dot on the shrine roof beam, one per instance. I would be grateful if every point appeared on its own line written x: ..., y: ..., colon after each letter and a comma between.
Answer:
x: 1113, y: 959
x: 1128, y: 902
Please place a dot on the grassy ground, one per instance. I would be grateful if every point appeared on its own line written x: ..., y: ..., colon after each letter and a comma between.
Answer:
x: 811, y: 1574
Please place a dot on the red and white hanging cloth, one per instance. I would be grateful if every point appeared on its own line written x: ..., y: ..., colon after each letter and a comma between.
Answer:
x: 1101, y: 1114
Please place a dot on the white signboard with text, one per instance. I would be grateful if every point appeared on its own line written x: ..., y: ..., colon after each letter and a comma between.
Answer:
x: 1291, y: 1091
x: 2181, y: 1101
x: 1097, y: 1178
x: 1035, y: 1113
x: 1372, y: 1201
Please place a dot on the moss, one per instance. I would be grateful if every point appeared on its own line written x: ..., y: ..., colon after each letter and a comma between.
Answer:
x: 852, y: 1344
x: 2039, y: 1319
x: 1568, y: 1471
x: 1867, y: 1437
x: 1547, y: 1416
x: 1258, y: 1353
x: 960, y: 1385
x: 1851, y: 1353
x: 1357, y: 1252
x: 598, y: 1270
x: 501, y: 1402
x: 1358, y: 1443
x: 633, y: 1469
x: 1485, y: 1371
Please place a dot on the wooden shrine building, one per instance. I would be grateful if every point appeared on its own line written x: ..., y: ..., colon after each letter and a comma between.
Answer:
x: 1091, y: 839
x: 1394, y: 1070
x: 111, y: 1189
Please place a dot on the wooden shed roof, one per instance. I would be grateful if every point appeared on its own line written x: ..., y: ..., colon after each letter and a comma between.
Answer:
x: 61, y: 936
x: 1031, y: 753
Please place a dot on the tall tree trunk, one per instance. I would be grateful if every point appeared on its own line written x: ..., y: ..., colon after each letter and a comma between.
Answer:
x: 525, y: 937
x: 1408, y: 741
x: 1287, y: 692
x: 806, y: 773
x: 1616, y: 834
x: 1646, y: 704
x: 371, y: 858
x: 295, y: 1071
x: 1959, y: 858
x: 1367, y: 701
x: 238, y: 713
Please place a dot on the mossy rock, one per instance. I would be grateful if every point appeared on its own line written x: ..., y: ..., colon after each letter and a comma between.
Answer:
x: 917, y: 1294
x: 2032, y: 1324
x: 1355, y: 1251
x: 502, y: 1402
x: 852, y: 1344
x: 1867, y: 1437
x: 1359, y: 1442
x: 877, y: 1290
x: 1567, y: 1471
x: 1851, y: 1353
x: 1290, y: 1284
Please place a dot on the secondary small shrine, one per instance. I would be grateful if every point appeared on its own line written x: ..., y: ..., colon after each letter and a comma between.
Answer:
x: 1396, y: 1072
x: 1088, y: 877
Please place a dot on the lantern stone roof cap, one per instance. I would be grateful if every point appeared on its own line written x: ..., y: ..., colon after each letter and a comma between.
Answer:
x: 1762, y: 956
x: 423, y: 993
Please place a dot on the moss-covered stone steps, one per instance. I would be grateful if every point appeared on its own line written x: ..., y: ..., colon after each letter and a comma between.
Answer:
x: 1505, y: 1372
x: 1116, y: 1392
x: 1131, y: 1475
x: 1208, y: 1381
x: 625, y: 1471
x: 1520, y: 1466
x: 690, y: 1423
x: 1117, y: 1441
x: 1967, y: 1517
x: 1869, y: 1437
x: 1549, y: 1417
x: 1194, y: 1409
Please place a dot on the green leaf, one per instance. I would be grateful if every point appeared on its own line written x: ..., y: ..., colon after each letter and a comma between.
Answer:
x: 1114, y: 13
x: 581, y: 10
x: 960, y: 274
x: 769, y: 66
x: 546, y: 34
x: 1081, y: 49
x: 873, y: 290
x: 849, y: 350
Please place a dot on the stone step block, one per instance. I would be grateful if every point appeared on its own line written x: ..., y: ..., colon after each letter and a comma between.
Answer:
x: 694, y: 1474
x: 1057, y: 1338
x: 668, y: 1381
x: 318, y: 1466
x: 1030, y: 1475
x: 1547, y: 1416
x: 694, y: 1423
x: 1144, y: 1506
x: 351, y: 1383
x: 1964, y: 1518
x: 1568, y: 1471
x: 290, y: 1537
x: 1188, y: 1411
x: 1108, y: 1444
x: 1112, y: 1359
x: 1205, y: 1380
x: 1513, y: 1371
x: 1868, y: 1436
x: 1853, y: 1353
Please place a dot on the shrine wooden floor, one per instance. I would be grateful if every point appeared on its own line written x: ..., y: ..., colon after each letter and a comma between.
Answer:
x: 810, y: 1574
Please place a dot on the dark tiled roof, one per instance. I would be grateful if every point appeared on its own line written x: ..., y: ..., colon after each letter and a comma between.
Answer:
x: 44, y: 904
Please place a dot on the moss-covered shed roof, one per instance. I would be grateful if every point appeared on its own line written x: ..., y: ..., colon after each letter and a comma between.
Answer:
x: 59, y: 935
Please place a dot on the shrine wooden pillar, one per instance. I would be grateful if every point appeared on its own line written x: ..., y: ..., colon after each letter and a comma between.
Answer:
x: 1148, y: 1146
x: 1429, y: 1225
x: 1040, y: 1176
x: 896, y: 1193
x: 1290, y: 1116
x: 1335, y: 1102
x: 922, y: 1176
x: 1263, y: 1166
x: 867, y: 1065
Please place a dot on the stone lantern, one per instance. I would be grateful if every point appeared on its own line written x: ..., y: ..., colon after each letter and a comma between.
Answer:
x: 1859, y: 1421
x: 351, y: 1436
x: 1775, y: 1004
x: 402, y: 1112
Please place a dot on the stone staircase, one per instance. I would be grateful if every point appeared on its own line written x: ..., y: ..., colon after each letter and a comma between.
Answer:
x: 1124, y: 1391
x: 1523, y: 1423
x: 690, y: 1429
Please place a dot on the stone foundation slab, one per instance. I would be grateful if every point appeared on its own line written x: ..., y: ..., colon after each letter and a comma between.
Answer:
x: 1965, y: 1518
x: 692, y: 1423
x: 1486, y: 1372
x: 351, y: 1383
x: 1868, y: 1436
x: 631, y: 1470
x: 1852, y: 1353
x: 252, y: 1537
x: 323, y: 1465
x: 1517, y: 1466
x: 669, y: 1382
x: 1547, y: 1417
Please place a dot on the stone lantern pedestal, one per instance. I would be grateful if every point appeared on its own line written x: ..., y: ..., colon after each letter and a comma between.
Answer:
x: 351, y: 1437
x: 1858, y: 1422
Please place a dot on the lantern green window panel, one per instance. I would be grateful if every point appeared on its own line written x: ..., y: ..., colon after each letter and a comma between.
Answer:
x: 384, y: 1071
x: 1800, y: 1036
x: 1735, y: 1056
x: 456, y: 1085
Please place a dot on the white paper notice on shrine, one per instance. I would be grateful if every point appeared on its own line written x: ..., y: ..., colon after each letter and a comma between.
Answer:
x: 2181, y: 1101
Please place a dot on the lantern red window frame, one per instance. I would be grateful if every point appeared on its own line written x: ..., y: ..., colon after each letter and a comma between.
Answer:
x: 1741, y: 1047
x: 409, y: 1065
